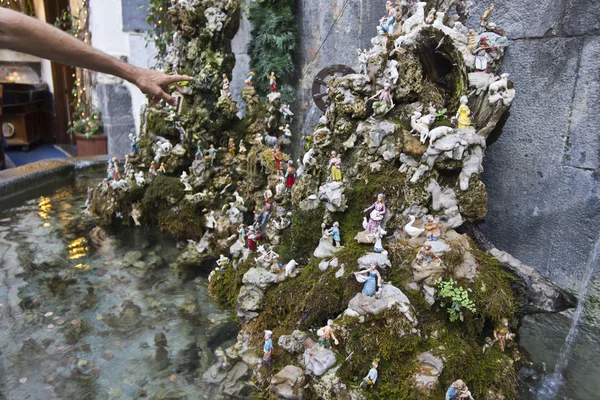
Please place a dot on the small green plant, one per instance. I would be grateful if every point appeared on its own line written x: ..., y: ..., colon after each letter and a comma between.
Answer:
x: 86, y: 119
x: 455, y: 298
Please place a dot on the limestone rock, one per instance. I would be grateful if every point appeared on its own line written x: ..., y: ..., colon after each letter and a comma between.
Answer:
x: 326, y: 248
x: 333, y: 194
x: 293, y: 343
x: 375, y: 132
x: 249, y: 301
x: 288, y: 383
x: 428, y: 273
x: 131, y: 257
x: 259, y: 277
x: 381, y: 259
x: 430, y: 368
x: 236, y: 249
x: 390, y: 297
x: 317, y: 359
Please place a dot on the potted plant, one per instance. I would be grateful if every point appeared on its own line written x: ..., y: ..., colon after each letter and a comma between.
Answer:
x: 87, y: 129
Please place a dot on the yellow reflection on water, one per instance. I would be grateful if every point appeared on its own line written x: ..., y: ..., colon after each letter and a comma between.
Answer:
x: 47, y: 225
x: 82, y: 267
x: 78, y: 248
x: 45, y: 207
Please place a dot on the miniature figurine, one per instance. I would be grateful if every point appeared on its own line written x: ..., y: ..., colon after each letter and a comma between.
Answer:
x: 290, y: 176
x: 426, y: 256
x: 243, y: 149
x: 484, y: 18
x: 136, y: 214
x: 326, y: 334
x: 268, y: 348
x: 503, y: 334
x: 384, y: 101
x: 377, y: 210
x: 110, y: 166
x: 363, y: 59
x: 134, y: 140
x: 278, y: 156
x: 463, y: 114
x: 181, y: 131
x: 199, y: 150
x: 253, y: 238
x: 225, y: 87
x: 458, y: 390
x: 433, y: 229
x: 480, y: 51
x: 462, y: 11
x: 126, y: 166
x: 211, y: 154
x: 371, y: 278
x: 231, y: 147
x: 248, y: 80
x: 371, y: 377
x: 488, y: 343
x: 378, y: 248
x: 161, y: 169
x: 272, y: 82
x: 222, y: 262
x: 336, y: 167
x: 287, y: 133
x: 90, y: 197
x: 211, y: 222
x: 185, y: 179
x: 471, y: 42
x: 152, y: 171
x: 335, y: 233
x: 386, y: 24
x: 139, y: 178
x: 242, y: 233
x: 430, y: 17
x: 268, y: 196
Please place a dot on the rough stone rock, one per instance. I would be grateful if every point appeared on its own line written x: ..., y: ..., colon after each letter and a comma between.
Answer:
x: 259, y: 277
x: 430, y: 368
x: 288, y: 383
x: 429, y: 294
x: 375, y: 132
x: 323, y: 266
x: 234, y: 383
x: 131, y: 256
x: 331, y: 387
x: 333, y: 194
x: 429, y: 273
x: 537, y: 293
x: 153, y: 260
x: 381, y: 259
x: 249, y: 301
x: 340, y: 272
x: 293, y: 343
x: 390, y: 297
x: 326, y: 248
x: 236, y: 249
x: 445, y: 200
x: 317, y: 359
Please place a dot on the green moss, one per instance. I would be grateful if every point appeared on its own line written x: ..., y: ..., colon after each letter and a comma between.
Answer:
x: 301, y: 239
x: 184, y: 221
x: 225, y: 285
x: 473, y: 202
x: 158, y: 125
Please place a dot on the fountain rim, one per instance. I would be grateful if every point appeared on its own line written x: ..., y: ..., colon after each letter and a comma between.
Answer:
x: 19, y: 181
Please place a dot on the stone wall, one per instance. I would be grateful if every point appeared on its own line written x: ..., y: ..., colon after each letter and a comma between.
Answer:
x: 543, y: 174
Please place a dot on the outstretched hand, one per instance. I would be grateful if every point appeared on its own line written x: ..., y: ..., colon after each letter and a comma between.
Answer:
x: 155, y: 83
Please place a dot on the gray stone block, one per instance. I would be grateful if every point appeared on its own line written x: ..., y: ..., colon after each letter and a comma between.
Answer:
x: 582, y: 17
x: 115, y: 103
x: 118, y: 143
x: 522, y: 18
x: 584, y: 138
x: 134, y: 15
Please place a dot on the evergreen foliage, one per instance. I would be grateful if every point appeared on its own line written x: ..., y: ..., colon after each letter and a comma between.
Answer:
x: 273, y: 44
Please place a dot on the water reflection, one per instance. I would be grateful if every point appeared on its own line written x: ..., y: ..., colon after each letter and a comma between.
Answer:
x: 96, y: 314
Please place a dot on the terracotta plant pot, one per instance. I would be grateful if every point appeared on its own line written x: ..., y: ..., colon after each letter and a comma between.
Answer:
x: 90, y: 147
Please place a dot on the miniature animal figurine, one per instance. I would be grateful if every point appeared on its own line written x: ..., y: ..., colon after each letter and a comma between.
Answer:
x: 308, y: 158
x: 417, y: 19
x: 139, y: 178
x: 438, y: 132
x: 420, y: 124
x: 270, y: 141
x: 289, y: 267
x: 119, y: 185
x: 165, y: 146
x: 502, y: 83
x: 411, y: 230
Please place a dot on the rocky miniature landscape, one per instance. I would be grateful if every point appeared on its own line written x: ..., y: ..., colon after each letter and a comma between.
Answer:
x: 387, y: 189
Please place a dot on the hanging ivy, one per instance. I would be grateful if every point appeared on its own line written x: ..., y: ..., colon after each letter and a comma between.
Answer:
x: 273, y: 44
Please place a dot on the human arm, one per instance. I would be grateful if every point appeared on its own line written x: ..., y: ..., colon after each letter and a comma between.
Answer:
x: 369, y: 208
x: 25, y: 34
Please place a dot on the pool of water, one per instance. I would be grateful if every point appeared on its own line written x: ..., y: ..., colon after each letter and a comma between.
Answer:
x: 93, y: 314
x: 542, y: 337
